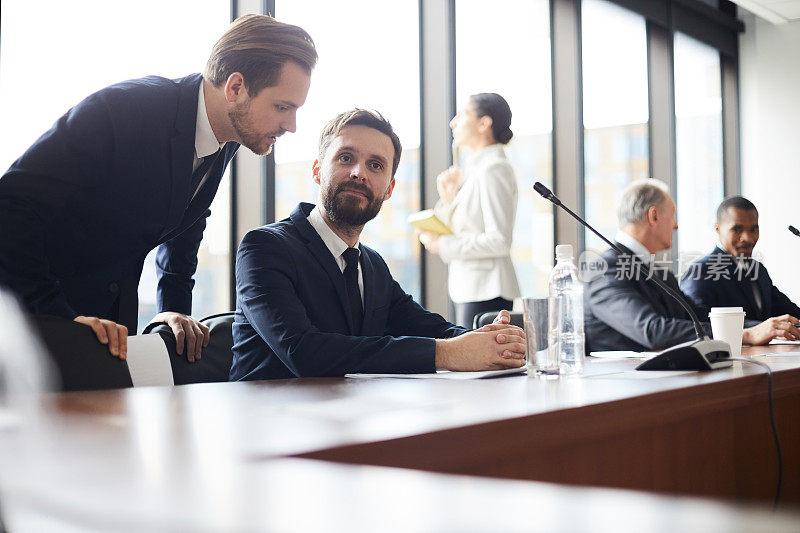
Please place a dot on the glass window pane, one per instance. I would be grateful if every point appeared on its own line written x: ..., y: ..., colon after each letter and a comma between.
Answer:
x: 84, y: 45
x: 490, y: 47
x: 368, y: 65
x: 698, y: 125
x: 615, y: 110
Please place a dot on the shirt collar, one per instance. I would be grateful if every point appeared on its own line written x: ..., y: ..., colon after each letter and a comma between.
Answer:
x: 634, y: 246
x: 334, y: 243
x: 493, y: 149
x: 205, y: 142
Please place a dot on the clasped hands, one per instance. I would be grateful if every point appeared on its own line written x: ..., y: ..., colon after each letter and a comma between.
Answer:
x: 187, y: 330
x: 495, y: 346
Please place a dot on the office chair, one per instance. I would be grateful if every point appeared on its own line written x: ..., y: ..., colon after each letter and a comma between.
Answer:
x: 214, y: 364
x: 481, y: 319
x: 80, y: 361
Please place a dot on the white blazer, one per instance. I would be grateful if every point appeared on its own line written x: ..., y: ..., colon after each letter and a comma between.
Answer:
x: 482, y: 219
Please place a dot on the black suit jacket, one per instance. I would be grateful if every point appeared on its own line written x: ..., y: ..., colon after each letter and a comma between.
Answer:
x: 83, y: 206
x: 293, y: 318
x: 628, y: 312
x: 714, y: 282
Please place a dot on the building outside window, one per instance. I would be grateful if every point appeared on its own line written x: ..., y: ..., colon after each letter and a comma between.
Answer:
x: 82, y: 46
x: 506, y: 50
x: 698, y: 127
x: 615, y: 110
x: 371, y: 62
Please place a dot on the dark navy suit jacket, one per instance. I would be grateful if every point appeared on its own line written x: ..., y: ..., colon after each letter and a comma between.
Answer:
x: 293, y: 317
x: 622, y: 312
x: 83, y: 206
x: 705, y: 282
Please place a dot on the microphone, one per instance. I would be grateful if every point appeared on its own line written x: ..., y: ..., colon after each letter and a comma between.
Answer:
x: 701, y: 354
x: 794, y: 230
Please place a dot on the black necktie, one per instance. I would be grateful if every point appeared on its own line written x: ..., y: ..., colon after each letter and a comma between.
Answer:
x: 202, y: 170
x: 353, y: 293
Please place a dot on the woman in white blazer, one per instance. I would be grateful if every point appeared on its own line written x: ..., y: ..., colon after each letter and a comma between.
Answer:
x: 479, y: 207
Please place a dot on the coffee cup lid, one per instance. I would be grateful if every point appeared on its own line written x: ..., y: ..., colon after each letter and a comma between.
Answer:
x: 726, y: 311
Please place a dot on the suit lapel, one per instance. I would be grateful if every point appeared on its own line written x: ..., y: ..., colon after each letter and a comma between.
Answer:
x: 208, y: 190
x: 765, y: 285
x: 368, y: 272
x: 743, y: 286
x: 653, y: 293
x: 182, y: 150
x: 324, y: 257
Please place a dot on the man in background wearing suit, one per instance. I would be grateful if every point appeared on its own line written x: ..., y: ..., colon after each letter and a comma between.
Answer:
x: 135, y: 166
x: 313, y: 301
x: 622, y: 309
x: 730, y: 277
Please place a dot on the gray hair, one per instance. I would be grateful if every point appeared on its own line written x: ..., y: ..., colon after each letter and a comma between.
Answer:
x: 637, y: 199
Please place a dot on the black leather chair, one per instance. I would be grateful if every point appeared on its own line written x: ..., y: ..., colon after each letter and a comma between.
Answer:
x: 214, y: 364
x: 81, y: 362
x: 481, y: 319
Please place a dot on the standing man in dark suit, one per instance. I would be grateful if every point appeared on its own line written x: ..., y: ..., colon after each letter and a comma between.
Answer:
x: 622, y: 309
x: 313, y: 301
x: 730, y: 277
x: 135, y: 166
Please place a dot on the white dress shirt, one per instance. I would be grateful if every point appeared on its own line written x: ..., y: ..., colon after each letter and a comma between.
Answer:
x: 335, y: 245
x: 205, y: 142
x: 639, y: 249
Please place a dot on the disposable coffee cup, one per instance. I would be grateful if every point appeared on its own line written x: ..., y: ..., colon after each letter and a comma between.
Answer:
x: 727, y: 324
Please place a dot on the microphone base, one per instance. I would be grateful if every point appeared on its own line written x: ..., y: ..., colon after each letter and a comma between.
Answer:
x: 705, y: 354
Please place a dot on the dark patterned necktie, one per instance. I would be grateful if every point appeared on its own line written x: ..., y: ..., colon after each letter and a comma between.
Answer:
x: 353, y: 292
x: 199, y: 174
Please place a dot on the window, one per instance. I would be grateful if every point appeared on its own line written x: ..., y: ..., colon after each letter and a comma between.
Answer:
x: 371, y: 61
x: 698, y: 125
x: 615, y: 110
x: 84, y: 45
x: 506, y: 50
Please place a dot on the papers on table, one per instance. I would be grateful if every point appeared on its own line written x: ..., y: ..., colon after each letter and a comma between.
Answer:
x: 148, y: 361
x: 642, y: 374
x: 445, y: 374
x: 623, y: 354
x: 776, y: 354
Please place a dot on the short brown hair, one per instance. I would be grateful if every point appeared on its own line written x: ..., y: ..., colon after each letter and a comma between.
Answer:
x: 360, y: 117
x: 257, y: 46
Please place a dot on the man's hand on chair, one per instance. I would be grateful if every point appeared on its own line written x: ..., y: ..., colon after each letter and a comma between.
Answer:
x: 108, y: 332
x: 188, y: 330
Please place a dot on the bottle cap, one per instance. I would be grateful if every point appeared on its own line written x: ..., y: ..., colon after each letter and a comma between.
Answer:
x: 564, y: 250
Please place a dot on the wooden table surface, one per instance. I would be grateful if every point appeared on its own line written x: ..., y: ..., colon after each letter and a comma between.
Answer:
x: 214, y: 455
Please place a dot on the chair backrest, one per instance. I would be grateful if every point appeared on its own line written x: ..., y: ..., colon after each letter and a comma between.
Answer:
x: 481, y: 319
x: 215, y: 362
x: 81, y: 362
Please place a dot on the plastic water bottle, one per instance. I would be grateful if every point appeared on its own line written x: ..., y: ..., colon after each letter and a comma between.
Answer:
x: 566, y: 312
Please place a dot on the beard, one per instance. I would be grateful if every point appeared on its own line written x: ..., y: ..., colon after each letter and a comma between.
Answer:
x: 259, y: 144
x: 345, y: 210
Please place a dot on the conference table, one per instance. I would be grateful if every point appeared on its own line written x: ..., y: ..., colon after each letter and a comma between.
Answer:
x: 571, y: 453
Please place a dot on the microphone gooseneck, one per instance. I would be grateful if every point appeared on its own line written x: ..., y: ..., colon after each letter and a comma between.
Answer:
x: 698, y: 328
